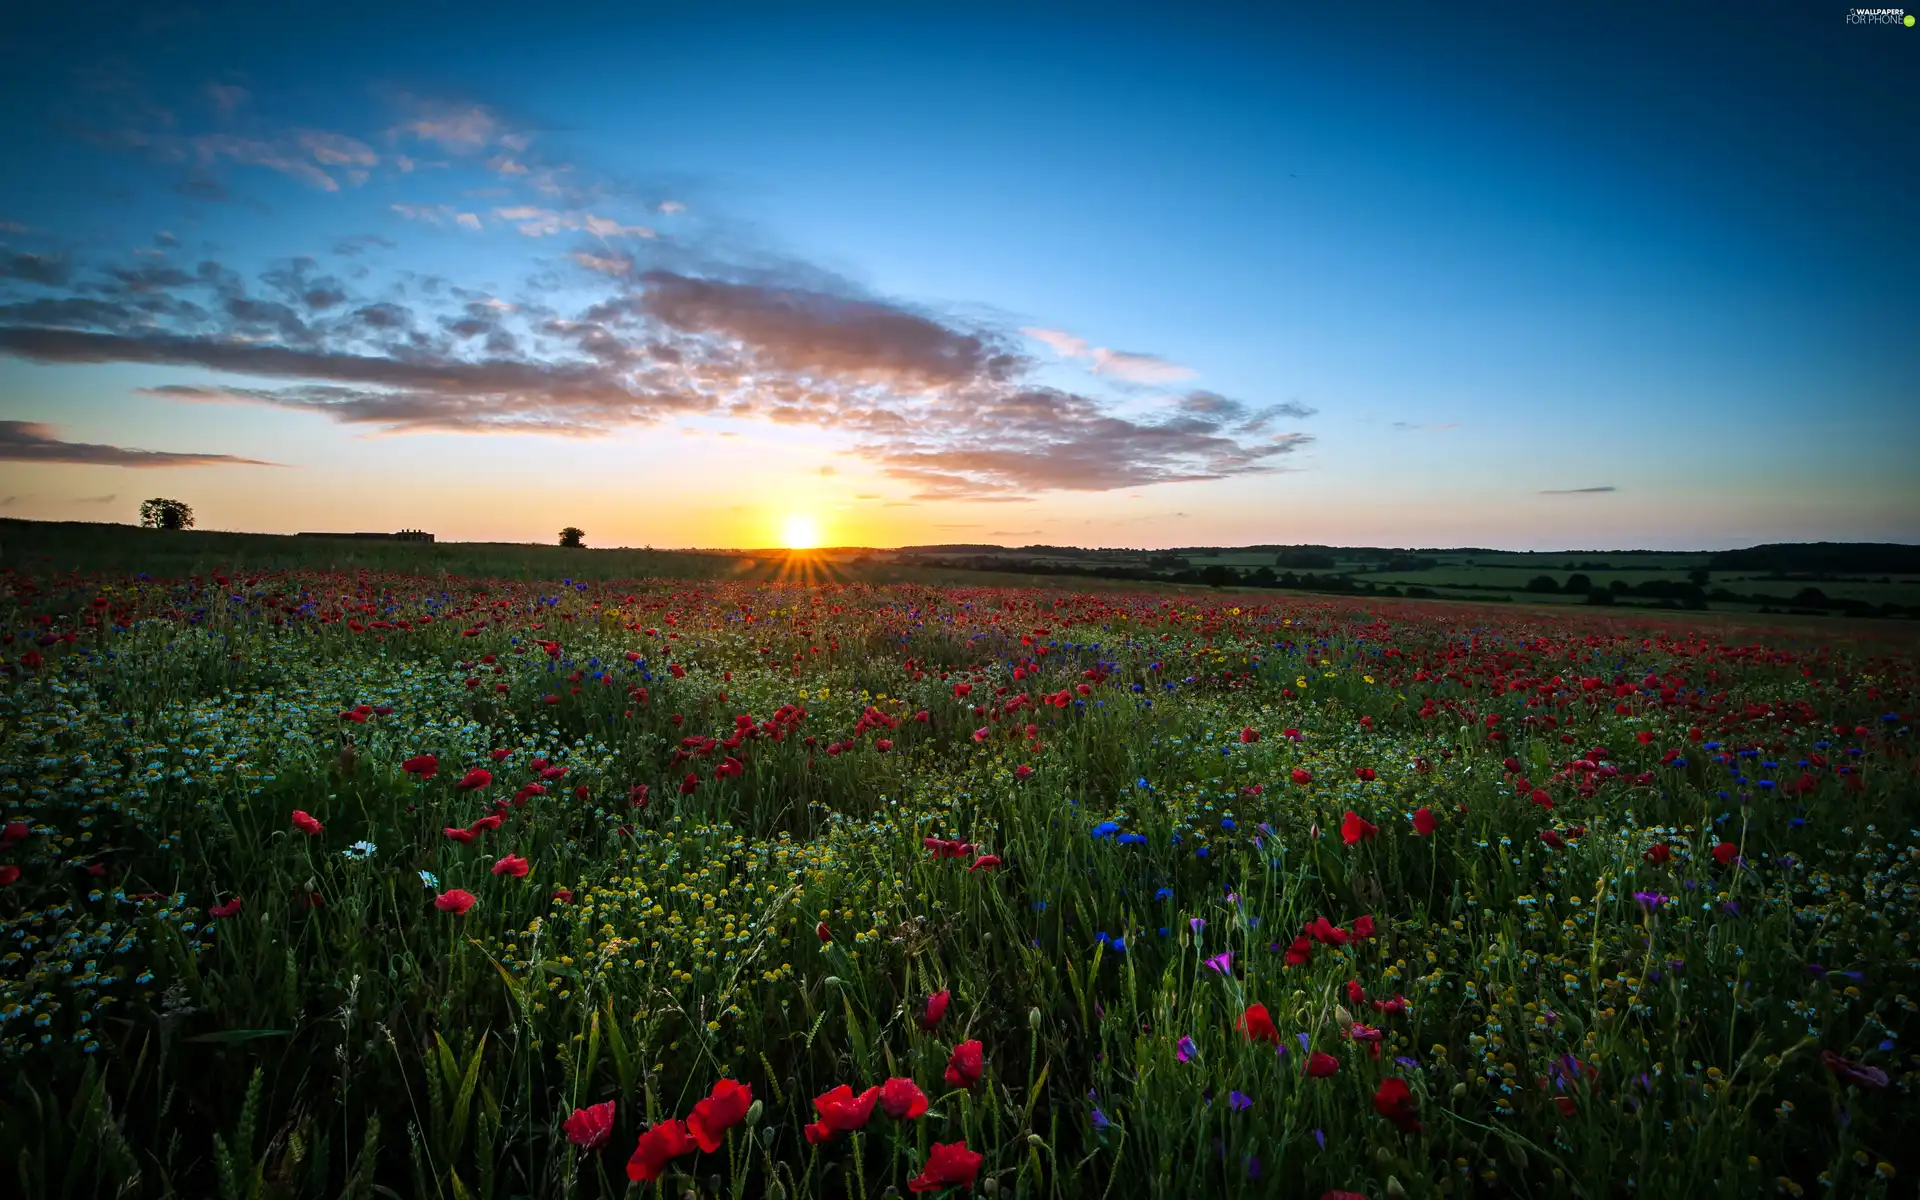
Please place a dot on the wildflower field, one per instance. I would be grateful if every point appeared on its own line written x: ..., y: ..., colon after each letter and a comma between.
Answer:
x: 318, y: 885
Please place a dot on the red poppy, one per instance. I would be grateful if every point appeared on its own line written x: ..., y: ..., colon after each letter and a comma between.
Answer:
x: 1848, y: 1071
x: 1394, y: 1101
x: 1363, y: 774
x: 984, y: 862
x: 960, y: 690
x: 459, y: 835
x: 499, y: 754
x: 902, y: 1099
x: 1541, y: 798
x: 1300, y: 951
x: 725, y: 1107
x: 965, y: 1066
x: 9, y: 874
x: 1302, y: 776
x: 1257, y: 1025
x: 1551, y: 838
x: 1249, y: 736
x: 474, y: 780
x: 1563, y: 1103
x: 1337, y: 1194
x: 936, y: 1008
x: 590, y: 1127
x: 305, y: 823
x: 423, y: 765
x: 1659, y: 853
x: 948, y: 1165
x: 511, y: 864
x: 1355, y: 828
x: 823, y: 933
x: 563, y: 895
x: 690, y: 784
x: 1725, y: 853
x: 841, y: 1112
x: 16, y: 831
x: 1320, y: 1064
x: 883, y: 745
x: 458, y: 900
x: 658, y: 1146
x: 1424, y: 822
x: 1363, y: 927
x: 487, y: 823
x: 1023, y: 771
x: 1326, y: 932
x: 222, y: 911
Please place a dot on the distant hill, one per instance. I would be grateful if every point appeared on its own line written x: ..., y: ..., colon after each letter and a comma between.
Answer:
x: 1875, y: 558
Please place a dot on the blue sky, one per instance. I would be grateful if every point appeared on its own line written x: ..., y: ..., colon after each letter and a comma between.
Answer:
x: 1539, y: 277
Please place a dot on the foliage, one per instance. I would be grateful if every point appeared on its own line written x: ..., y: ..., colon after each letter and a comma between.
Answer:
x: 1519, y: 898
x: 573, y: 537
x: 160, y: 513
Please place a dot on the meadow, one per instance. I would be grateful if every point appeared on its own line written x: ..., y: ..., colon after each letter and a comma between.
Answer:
x: 402, y: 881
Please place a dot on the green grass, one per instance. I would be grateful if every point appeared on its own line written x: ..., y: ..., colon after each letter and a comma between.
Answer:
x: 338, y: 1035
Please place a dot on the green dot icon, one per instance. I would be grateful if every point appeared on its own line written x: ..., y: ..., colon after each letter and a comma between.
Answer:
x: 1909, y: 20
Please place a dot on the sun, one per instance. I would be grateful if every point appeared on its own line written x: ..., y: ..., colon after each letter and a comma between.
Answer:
x: 801, y: 532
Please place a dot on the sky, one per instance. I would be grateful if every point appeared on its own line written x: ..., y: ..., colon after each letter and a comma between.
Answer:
x: 1542, y: 276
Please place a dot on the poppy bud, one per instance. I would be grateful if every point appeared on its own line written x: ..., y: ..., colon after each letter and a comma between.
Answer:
x: 825, y: 934
x: 1033, y: 1019
x: 753, y: 1113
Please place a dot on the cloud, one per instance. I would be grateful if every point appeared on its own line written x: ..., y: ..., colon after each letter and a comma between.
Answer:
x: 358, y: 244
x: 226, y: 98
x: 619, y: 265
x: 943, y: 405
x: 1411, y: 425
x: 1138, y: 368
x: 8, y: 501
x: 1240, y: 417
x: 28, y: 441
x: 456, y: 128
x: 109, y: 498
x: 432, y: 214
x: 1116, y: 364
x: 42, y: 269
x: 467, y: 220
x: 671, y: 206
x: 1586, y: 491
x: 336, y: 150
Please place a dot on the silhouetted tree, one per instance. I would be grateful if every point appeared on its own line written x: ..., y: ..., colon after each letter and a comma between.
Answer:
x: 573, y: 537
x: 1218, y: 575
x: 1542, y: 583
x: 166, y: 514
x: 1578, y: 583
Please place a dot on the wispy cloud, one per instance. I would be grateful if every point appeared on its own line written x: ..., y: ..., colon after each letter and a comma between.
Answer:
x: 1586, y: 491
x: 28, y: 441
x: 1118, y: 364
x: 109, y: 498
x: 1411, y: 425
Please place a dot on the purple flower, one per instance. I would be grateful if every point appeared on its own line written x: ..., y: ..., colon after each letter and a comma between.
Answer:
x: 1306, y: 1042
x: 1222, y: 962
x: 1411, y: 1064
x: 1253, y: 1166
x: 1240, y: 1101
x: 1100, y: 1119
x: 1197, y: 923
x: 1320, y: 1135
x: 1184, y: 1049
x: 1651, y: 901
